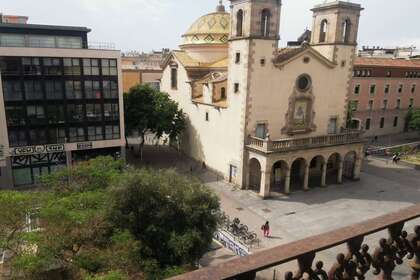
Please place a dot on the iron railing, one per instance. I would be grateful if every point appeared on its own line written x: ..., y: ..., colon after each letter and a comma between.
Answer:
x: 356, y: 263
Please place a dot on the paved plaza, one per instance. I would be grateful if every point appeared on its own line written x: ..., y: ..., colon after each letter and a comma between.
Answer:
x: 383, y: 188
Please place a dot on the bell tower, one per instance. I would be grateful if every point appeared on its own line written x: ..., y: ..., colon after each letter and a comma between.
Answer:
x: 255, y: 19
x: 335, y: 25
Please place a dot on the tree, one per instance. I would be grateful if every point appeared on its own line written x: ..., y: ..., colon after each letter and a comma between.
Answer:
x: 414, y: 120
x: 172, y: 217
x: 148, y: 110
x: 101, y: 221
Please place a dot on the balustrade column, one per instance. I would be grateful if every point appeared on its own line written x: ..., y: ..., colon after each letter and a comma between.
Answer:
x: 324, y: 175
x: 287, y: 182
x: 340, y: 172
x: 306, y: 178
x: 265, y: 184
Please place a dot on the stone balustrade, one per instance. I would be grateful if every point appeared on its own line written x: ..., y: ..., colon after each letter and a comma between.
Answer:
x: 283, y: 145
x: 358, y: 262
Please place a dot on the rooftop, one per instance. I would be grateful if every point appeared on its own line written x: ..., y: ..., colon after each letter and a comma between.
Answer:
x: 387, y: 62
x: 43, y: 27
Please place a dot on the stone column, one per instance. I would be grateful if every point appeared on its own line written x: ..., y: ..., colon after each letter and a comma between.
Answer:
x: 265, y: 184
x: 306, y: 178
x: 287, y: 182
x: 69, y: 159
x: 340, y: 172
x: 357, y: 168
x: 324, y: 175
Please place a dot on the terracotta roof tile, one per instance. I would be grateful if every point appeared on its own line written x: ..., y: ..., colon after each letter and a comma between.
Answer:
x: 287, y: 53
x: 386, y: 62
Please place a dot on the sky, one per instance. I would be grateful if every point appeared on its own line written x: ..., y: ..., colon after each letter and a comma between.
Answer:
x: 146, y: 25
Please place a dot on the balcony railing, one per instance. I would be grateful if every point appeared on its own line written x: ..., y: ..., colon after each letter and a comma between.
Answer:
x: 358, y: 262
x: 283, y: 145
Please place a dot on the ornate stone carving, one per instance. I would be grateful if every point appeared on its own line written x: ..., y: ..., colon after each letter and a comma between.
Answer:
x: 300, y: 115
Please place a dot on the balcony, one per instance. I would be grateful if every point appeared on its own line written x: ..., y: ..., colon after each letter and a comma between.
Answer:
x: 284, y: 145
x: 400, y: 249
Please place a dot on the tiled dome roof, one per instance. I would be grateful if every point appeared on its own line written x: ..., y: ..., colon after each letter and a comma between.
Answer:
x: 213, y: 28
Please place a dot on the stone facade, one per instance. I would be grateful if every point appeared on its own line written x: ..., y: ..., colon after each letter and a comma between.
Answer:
x: 284, y: 108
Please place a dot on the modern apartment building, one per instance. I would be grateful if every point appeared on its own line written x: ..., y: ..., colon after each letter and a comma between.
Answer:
x: 382, y: 92
x: 60, y: 101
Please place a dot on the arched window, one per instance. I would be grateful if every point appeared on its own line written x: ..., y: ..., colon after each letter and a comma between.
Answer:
x: 346, y: 31
x: 223, y: 93
x: 323, y: 31
x: 265, y: 23
x: 239, y: 22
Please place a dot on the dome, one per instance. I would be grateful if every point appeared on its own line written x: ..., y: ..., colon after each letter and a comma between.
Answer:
x: 211, y: 29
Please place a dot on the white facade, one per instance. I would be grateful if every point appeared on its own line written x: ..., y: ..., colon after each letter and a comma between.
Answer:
x: 281, y: 105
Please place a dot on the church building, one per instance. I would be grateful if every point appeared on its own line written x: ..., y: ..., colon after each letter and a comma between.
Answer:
x: 268, y: 119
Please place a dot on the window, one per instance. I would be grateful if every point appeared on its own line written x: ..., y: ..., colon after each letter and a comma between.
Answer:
x: 398, y: 104
x: 370, y: 105
x: 357, y: 89
x: 238, y: 58
x: 265, y: 23
x: 95, y: 133
x: 94, y: 112
x: 36, y: 114
x: 332, y: 126
x: 37, y: 136
x: 57, y: 135
x: 207, y: 116
x: 112, y: 132
x: 387, y: 89
x: 55, y: 114
x: 54, y: 90
x: 69, y: 42
x: 372, y: 89
x: 75, y: 113
x: 323, y: 31
x: 410, y: 105
x: 236, y: 87
x: 110, y: 89
x: 174, y: 78
x: 385, y: 104
x: 52, y: 66
x: 73, y: 90
x: 76, y: 134
x: 262, y: 61
x: 239, y: 22
x: 40, y: 41
x: 15, y: 115
x: 395, y: 121
x: 346, y: 31
x: 31, y: 66
x: 400, y: 88
x: 72, y: 67
x: 382, y: 124
x: 17, y: 138
x: 109, y: 67
x: 111, y: 112
x: 223, y: 93
x: 413, y: 88
x: 12, y: 91
x: 33, y: 90
x: 354, y: 105
x: 303, y: 82
x: 12, y: 40
x: 92, y: 90
x: 367, y: 124
x: 10, y: 66
x: 261, y: 131
x: 91, y: 67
